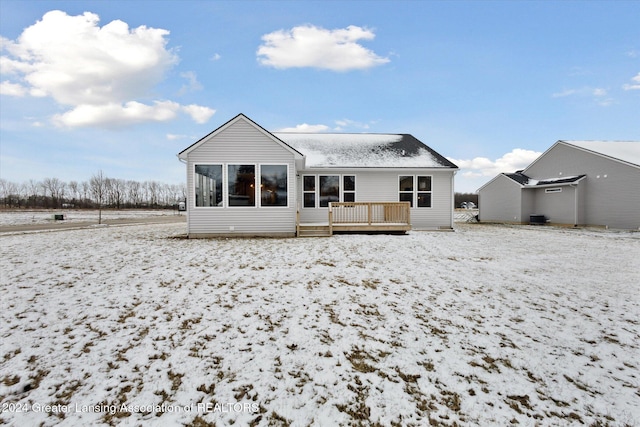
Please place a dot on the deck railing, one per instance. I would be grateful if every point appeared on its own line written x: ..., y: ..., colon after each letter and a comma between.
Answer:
x: 368, y: 213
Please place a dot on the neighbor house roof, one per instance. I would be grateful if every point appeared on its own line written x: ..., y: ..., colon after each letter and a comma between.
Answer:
x: 528, y: 182
x: 518, y: 177
x: 363, y: 150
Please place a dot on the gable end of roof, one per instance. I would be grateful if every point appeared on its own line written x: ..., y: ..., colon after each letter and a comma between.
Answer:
x: 183, y: 153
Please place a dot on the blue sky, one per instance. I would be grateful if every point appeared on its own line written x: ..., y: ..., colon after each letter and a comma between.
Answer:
x: 123, y: 86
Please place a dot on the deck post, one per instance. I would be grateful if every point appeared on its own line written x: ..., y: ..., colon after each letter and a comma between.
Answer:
x: 330, y: 219
x: 369, y: 212
x: 408, y: 210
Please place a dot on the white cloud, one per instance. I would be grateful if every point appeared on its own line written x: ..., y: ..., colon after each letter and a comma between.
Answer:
x: 198, y: 113
x: 173, y: 136
x: 12, y: 89
x: 635, y: 85
x: 311, y: 46
x: 116, y: 115
x: 305, y: 128
x: 98, y: 71
x: 598, y: 95
x: 192, y: 82
x: 347, y: 123
x: 565, y: 92
x: 516, y: 159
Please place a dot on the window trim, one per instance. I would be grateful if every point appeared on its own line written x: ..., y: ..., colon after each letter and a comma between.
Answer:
x: 259, y: 186
x: 343, y: 191
x: 316, y: 192
x: 255, y: 184
x: 414, y: 192
x: 193, y: 187
x: 430, y: 191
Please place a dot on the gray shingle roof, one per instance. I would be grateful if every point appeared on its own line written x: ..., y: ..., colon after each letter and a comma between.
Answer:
x: 363, y: 150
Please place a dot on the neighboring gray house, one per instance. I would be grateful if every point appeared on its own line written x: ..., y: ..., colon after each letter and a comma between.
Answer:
x: 245, y: 180
x: 591, y: 183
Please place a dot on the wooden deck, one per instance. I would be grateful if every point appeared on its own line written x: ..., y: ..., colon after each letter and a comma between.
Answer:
x: 361, y: 217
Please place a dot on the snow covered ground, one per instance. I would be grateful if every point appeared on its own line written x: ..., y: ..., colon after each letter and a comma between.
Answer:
x: 43, y: 216
x: 488, y: 325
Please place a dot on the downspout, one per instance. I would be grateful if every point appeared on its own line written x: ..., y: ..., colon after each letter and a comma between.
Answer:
x: 183, y: 161
x: 453, y: 199
x: 575, y: 204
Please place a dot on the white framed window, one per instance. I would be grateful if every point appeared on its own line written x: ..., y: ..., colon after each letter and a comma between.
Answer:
x: 415, y: 189
x: 423, y: 194
x: 320, y: 190
x: 329, y: 189
x: 241, y: 185
x: 309, y: 191
x: 208, y: 185
x: 274, y: 181
x: 348, y: 188
x: 405, y: 188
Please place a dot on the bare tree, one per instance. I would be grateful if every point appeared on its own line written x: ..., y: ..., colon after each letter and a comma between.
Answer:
x: 8, y: 192
x: 86, y: 189
x: 33, y: 191
x: 75, y: 192
x: 56, y: 188
x: 98, y: 189
x: 134, y: 193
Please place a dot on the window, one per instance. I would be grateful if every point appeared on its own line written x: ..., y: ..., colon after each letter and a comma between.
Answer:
x: 309, y: 191
x: 329, y: 190
x: 424, y: 191
x: 348, y: 188
x: 241, y: 184
x: 406, y: 189
x: 553, y: 190
x: 273, y: 185
x: 418, y: 189
x: 208, y: 185
x: 319, y: 191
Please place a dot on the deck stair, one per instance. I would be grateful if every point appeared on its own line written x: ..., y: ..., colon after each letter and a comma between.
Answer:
x: 314, y: 230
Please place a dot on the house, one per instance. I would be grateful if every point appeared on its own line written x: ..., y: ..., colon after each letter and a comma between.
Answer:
x: 245, y: 180
x: 575, y: 183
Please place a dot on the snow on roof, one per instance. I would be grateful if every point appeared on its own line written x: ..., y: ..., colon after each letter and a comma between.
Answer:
x: 554, y: 181
x: 526, y: 181
x: 628, y: 151
x: 362, y: 150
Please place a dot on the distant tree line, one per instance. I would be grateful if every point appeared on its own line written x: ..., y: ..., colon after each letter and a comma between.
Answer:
x: 98, y: 192
x: 101, y: 191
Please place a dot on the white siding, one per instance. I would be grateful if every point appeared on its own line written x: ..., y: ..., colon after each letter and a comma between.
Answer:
x: 382, y: 186
x: 241, y: 143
